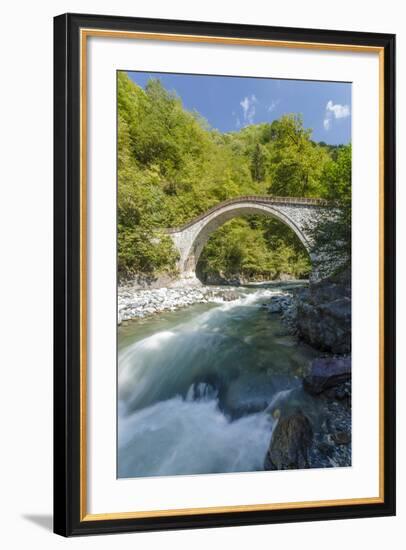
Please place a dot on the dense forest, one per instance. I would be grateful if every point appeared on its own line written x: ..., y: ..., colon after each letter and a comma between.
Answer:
x: 172, y: 166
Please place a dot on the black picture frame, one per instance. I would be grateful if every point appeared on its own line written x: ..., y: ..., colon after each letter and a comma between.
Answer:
x: 68, y: 520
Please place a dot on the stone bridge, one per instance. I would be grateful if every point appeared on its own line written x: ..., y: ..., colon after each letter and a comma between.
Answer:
x: 296, y: 213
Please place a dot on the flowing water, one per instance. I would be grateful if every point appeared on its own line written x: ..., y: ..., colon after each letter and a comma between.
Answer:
x: 197, y: 387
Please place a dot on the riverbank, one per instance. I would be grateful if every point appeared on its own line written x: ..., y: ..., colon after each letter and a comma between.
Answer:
x: 136, y: 303
x: 320, y: 315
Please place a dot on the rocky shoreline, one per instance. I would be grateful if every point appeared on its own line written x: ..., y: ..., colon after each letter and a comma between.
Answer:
x: 298, y: 443
x: 134, y: 303
x: 319, y: 315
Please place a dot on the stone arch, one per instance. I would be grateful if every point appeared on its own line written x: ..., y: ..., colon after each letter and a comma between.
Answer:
x: 228, y: 214
x: 192, y: 237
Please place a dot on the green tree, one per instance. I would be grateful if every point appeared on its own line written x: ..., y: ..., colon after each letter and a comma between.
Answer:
x: 258, y: 161
x: 297, y: 163
x: 331, y: 235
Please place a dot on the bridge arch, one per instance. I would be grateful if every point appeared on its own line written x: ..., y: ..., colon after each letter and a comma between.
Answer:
x: 191, y: 238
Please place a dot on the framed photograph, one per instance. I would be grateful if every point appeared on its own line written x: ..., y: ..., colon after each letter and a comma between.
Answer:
x: 224, y: 342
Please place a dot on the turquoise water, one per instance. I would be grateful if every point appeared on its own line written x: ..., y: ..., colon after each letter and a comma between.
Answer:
x: 197, y: 387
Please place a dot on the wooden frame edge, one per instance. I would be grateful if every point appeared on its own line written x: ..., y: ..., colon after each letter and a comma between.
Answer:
x: 84, y: 517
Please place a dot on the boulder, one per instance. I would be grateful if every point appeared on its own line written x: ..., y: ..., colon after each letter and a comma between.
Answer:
x: 230, y: 296
x: 252, y: 392
x: 323, y: 313
x: 290, y: 443
x: 327, y: 373
x: 342, y: 438
x: 278, y: 303
x: 219, y: 278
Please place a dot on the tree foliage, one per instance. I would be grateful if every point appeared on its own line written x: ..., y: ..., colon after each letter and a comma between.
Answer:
x: 331, y: 236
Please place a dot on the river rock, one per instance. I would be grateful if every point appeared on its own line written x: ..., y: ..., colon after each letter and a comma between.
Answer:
x: 248, y: 393
x: 327, y: 373
x: 221, y: 279
x: 290, y: 443
x: 342, y: 438
x: 323, y: 313
x: 230, y: 296
x: 275, y: 305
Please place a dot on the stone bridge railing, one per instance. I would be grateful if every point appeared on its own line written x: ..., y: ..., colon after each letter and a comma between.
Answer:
x: 299, y: 201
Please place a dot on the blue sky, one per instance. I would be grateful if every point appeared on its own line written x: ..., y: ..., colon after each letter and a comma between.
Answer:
x: 230, y: 103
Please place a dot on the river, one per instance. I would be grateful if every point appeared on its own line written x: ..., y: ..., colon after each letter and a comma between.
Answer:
x: 198, y: 387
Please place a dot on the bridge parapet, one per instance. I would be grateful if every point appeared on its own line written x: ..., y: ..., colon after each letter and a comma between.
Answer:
x: 256, y: 199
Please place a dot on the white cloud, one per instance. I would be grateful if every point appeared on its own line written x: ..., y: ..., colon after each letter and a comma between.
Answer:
x: 339, y: 111
x: 248, y: 108
x: 272, y: 106
x: 334, y: 111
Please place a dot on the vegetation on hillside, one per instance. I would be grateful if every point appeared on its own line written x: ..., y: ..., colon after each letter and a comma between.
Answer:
x: 331, y: 236
x: 172, y: 166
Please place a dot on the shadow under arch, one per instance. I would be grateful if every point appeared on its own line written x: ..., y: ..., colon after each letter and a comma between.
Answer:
x: 197, y: 260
